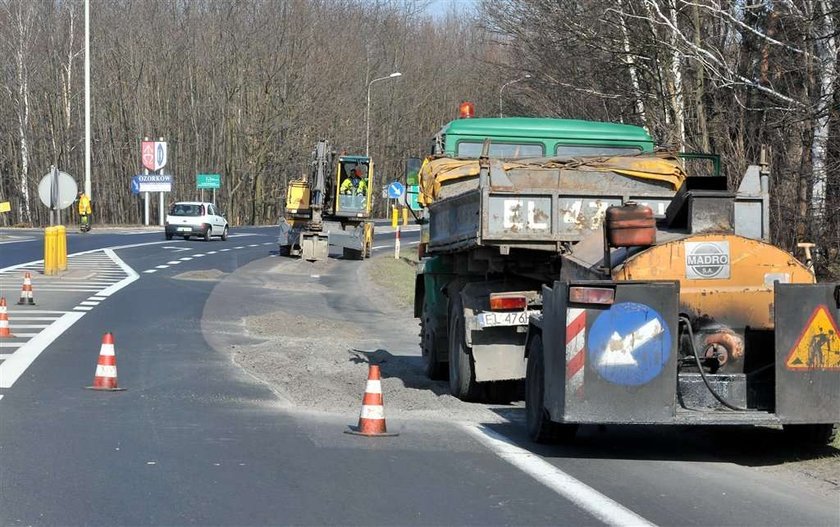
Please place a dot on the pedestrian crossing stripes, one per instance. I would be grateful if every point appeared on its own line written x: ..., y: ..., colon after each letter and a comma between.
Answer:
x: 23, y: 330
x: 87, y: 273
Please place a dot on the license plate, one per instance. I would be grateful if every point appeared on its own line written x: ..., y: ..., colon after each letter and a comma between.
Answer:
x: 184, y: 229
x: 489, y: 319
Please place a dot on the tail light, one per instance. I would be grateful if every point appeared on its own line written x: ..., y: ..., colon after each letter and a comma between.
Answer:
x: 591, y: 295
x: 504, y: 301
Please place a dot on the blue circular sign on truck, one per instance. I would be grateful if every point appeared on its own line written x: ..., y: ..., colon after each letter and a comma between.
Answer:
x: 629, y: 344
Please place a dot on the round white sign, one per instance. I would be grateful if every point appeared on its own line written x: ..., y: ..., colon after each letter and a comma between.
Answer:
x: 66, y: 191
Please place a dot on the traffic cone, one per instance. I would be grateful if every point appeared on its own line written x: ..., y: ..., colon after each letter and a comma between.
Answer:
x: 26, y: 296
x: 372, y: 418
x: 4, y: 320
x: 105, y: 377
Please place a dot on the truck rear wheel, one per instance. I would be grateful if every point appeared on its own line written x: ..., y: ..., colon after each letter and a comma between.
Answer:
x: 541, y: 429
x: 461, y: 371
x: 432, y: 367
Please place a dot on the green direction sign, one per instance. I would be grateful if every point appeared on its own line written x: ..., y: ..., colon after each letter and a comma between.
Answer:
x: 208, y: 181
x: 411, y: 195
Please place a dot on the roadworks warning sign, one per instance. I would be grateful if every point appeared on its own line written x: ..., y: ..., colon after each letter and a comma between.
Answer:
x: 818, y: 347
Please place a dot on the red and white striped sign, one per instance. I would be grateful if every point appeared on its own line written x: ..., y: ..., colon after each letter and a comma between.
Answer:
x: 575, y: 350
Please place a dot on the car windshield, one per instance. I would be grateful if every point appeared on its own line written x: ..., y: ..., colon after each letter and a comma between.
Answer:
x: 185, y: 209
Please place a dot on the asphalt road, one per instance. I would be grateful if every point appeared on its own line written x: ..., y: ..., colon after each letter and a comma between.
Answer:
x: 194, y: 440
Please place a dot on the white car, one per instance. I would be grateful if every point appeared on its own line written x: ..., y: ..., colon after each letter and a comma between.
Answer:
x: 195, y: 218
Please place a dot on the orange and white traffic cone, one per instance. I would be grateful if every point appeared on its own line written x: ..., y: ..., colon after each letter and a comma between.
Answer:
x: 5, y: 332
x: 105, y: 377
x: 372, y: 418
x: 26, y: 296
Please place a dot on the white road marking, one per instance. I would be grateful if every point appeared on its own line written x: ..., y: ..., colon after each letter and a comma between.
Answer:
x: 28, y: 326
x: 82, y: 308
x: 404, y: 244
x: 214, y: 252
x: 89, y: 303
x: 12, y: 368
x: 131, y: 275
x: 161, y: 267
x: 21, y: 335
x: 150, y: 271
x: 254, y: 245
x: 32, y: 318
x: 579, y: 493
x: 187, y: 259
x: 223, y: 250
x: 240, y: 247
x: 11, y: 345
x: 173, y: 262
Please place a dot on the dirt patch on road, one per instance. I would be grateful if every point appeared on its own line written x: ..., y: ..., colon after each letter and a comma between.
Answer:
x: 315, y: 349
x: 210, y: 275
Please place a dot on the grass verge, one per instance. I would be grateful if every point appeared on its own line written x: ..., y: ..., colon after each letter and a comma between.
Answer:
x: 396, y: 276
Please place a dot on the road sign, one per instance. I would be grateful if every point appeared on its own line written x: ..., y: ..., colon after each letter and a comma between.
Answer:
x: 5, y: 206
x: 396, y: 190
x: 151, y: 183
x: 410, y: 199
x: 154, y: 154
x: 210, y: 181
x: 629, y: 344
x: 818, y: 347
x: 57, y: 193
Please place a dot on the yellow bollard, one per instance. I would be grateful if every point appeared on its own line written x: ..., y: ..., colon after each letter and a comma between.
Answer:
x: 405, y: 216
x: 394, y: 217
x: 61, y: 248
x: 50, y: 251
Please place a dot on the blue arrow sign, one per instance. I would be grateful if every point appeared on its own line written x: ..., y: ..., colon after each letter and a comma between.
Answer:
x: 396, y: 190
x: 629, y: 344
x: 135, y: 185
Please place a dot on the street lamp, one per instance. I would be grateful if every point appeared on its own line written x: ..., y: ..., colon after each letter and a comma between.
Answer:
x: 526, y: 76
x: 367, y: 110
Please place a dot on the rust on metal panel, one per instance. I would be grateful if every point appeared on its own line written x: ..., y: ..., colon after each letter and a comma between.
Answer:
x: 722, y: 276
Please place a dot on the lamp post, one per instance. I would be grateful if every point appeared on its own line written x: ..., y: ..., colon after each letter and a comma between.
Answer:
x: 367, y: 109
x: 505, y: 85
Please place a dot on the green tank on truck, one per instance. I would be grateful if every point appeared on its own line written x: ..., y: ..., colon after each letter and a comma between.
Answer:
x: 502, y: 199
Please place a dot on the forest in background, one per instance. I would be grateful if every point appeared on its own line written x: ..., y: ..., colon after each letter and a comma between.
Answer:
x: 244, y: 88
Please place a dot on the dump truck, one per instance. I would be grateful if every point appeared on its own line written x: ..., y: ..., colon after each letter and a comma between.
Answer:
x: 497, y: 226
x: 322, y: 208
x: 622, y: 289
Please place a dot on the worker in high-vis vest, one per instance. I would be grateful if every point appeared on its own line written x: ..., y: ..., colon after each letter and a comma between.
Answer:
x: 355, y: 184
x: 84, y: 210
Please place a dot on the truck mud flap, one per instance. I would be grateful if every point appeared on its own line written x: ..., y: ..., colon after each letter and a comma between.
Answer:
x: 611, y: 363
x: 807, y: 318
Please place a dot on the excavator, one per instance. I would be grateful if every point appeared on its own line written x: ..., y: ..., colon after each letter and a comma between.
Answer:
x: 330, y: 205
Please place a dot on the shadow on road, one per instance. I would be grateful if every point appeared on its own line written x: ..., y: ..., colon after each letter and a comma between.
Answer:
x: 408, y: 369
x: 750, y: 446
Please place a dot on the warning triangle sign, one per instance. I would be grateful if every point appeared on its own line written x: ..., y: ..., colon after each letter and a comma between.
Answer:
x: 818, y: 347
